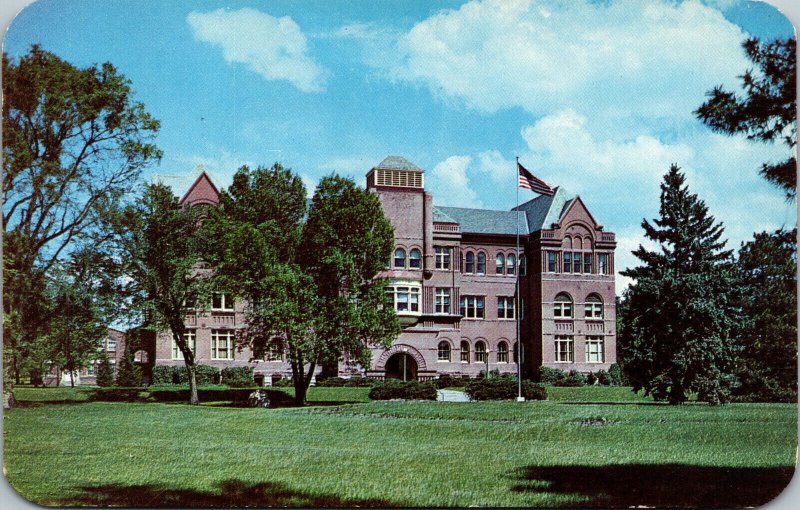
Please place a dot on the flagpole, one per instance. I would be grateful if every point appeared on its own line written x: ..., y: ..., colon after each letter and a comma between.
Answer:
x: 518, y: 307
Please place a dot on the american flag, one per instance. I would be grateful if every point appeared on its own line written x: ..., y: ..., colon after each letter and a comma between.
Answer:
x: 533, y: 183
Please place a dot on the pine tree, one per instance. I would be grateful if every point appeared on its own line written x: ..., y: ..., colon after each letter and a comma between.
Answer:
x: 129, y: 375
x: 680, y: 313
x: 105, y: 372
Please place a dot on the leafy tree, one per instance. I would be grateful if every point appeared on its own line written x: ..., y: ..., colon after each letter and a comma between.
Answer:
x: 105, y: 372
x: 767, y: 365
x: 73, y: 142
x: 768, y: 110
x: 680, y: 311
x: 129, y: 374
x: 157, y: 244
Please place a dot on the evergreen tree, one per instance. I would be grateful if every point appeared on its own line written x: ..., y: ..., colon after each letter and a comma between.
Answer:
x: 767, y: 365
x: 768, y: 109
x: 105, y: 372
x: 129, y: 374
x: 680, y: 313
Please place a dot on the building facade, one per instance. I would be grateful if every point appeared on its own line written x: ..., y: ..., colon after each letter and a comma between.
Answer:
x: 453, y: 280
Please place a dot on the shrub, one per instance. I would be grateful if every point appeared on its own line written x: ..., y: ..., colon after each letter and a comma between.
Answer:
x: 164, y: 375
x: 591, y: 379
x: 337, y: 382
x: 117, y: 394
x: 129, y: 374
x: 617, y: 376
x: 234, y: 395
x: 552, y: 376
x: 238, y: 377
x: 447, y: 381
x: 205, y: 375
x: 573, y: 379
x: 504, y: 388
x: 283, y: 382
x: 396, y: 389
x: 105, y: 372
x: 603, y: 378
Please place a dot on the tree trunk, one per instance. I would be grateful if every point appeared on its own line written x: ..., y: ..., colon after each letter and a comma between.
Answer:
x: 193, y: 398
x: 71, y: 378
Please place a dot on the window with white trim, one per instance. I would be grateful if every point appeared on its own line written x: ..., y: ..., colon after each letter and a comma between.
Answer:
x: 480, y: 352
x: 577, y: 261
x: 443, y: 351
x: 593, y: 309
x: 564, y: 349
x: 481, y: 265
x: 399, y: 258
x: 602, y: 263
x: 190, y: 335
x: 562, y: 306
x: 511, y: 263
x: 222, y: 301
x: 469, y: 262
x: 502, y: 352
x: 222, y: 344
x: 443, y: 255
x: 464, y: 351
x: 552, y: 261
x: 274, y: 352
x: 587, y: 263
x: 505, y: 307
x: 473, y: 307
x: 111, y: 344
x: 442, y: 301
x: 415, y: 259
x: 595, y: 349
x: 404, y: 298
x: 500, y: 264
x: 567, y: 261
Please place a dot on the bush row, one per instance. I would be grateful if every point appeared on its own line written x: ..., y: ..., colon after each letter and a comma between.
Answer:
x: 338, y: 382
x: 613, y: 377
x: 205, y: 374
x: 178, y: 394
x: 504, y: 387
x: 396, y: 389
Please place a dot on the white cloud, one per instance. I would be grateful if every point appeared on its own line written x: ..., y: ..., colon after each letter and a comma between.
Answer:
x: 220, y: 168
x: 450, y: 184
x: 275, y: 48
x: 653, y: 59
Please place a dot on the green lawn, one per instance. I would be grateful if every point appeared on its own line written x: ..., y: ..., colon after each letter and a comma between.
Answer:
x: 584, y: 447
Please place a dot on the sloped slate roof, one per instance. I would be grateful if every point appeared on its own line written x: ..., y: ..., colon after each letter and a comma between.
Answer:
x: 484, y: 221
x: 397, y: 163
x: 440, y: 216
x: 544, y: 210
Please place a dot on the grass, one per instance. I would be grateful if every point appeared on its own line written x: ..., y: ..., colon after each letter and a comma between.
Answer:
x: 584, y: 447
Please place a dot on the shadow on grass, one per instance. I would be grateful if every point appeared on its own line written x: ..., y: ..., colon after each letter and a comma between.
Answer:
x: 659, y: 485
x: 230, y: 493
x: 595, y: 403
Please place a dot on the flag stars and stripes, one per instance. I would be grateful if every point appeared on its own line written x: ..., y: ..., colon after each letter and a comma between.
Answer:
x: 533, y: 183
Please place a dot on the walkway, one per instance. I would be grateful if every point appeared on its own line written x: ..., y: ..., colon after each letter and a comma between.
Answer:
x: 451, y: 396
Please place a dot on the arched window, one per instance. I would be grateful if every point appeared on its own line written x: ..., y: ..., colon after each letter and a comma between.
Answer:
x: 502, y: 352
x: 400, y: 258
x: 464, y: 351
x: 500, y: 264
x: 480, y: 352
x: 415, y: 259
x: 515, y: 353
x: 562, y: 307
x: 594, y: 307
x: 522, y: 265
x: 512, y: 264
x: 469, y: 262
x: 444, y: 351
x: 481, y: 269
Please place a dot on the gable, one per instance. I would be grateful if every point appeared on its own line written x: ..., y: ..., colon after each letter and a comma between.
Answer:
x: 202, y: 191
x: 576, y: 215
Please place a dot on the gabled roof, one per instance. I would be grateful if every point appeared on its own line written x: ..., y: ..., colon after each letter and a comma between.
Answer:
x: 484, y: 221
x: 441, y: 217
x: 544, y: 210
x: 203, y: 191
x: 397, y: 163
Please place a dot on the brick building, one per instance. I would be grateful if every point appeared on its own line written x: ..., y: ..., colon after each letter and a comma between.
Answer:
x: 453, y: 278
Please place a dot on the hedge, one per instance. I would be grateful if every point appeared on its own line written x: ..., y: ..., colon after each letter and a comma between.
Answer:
x: 353, y: 382
x: 448, y: 381
x: 572, y: 379
x: 163, y: 374
x: 118, y: 394
x: 238, y: 377
x: 504, y: 388
x: 235, y: 395
x: 552, y: 376
x: 396, y: 389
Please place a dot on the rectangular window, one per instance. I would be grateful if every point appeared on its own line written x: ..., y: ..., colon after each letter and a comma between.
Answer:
x: 564, y: 349
x: 191, y: 340
x: 595, y: 349
x: 576, y: 262
x: 442, y: 301
x: 90, y: 368
x: 464, y: 353
x: 505, y: 307
x: 602, y: 263
x: 473, y: 307
x: 111, y: 345
x: 443, y: 254
x: 552, y: 264
x: 221, y: 344
x: 221, y: 301
x: 562, y: 308
x: 274, y: 353
x: 567, y: 262
x: 587, y: 263
x: 593, y: 310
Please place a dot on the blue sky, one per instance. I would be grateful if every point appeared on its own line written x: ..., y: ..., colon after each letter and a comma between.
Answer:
x: 595, y: 96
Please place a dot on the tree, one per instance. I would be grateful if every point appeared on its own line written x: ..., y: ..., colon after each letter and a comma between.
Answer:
x: 274, y: 261
x: 129, y: 374
x: 73, y: 142
x: 767, y: 364
x: 105, y: 372
x: 768, y: 110
x: 680, y: 313
x: 157, y: 244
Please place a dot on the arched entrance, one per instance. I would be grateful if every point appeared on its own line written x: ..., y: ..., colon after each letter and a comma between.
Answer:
x: 401, y: 365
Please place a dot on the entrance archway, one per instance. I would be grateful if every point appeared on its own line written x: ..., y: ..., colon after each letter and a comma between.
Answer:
x: 399, y: 364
